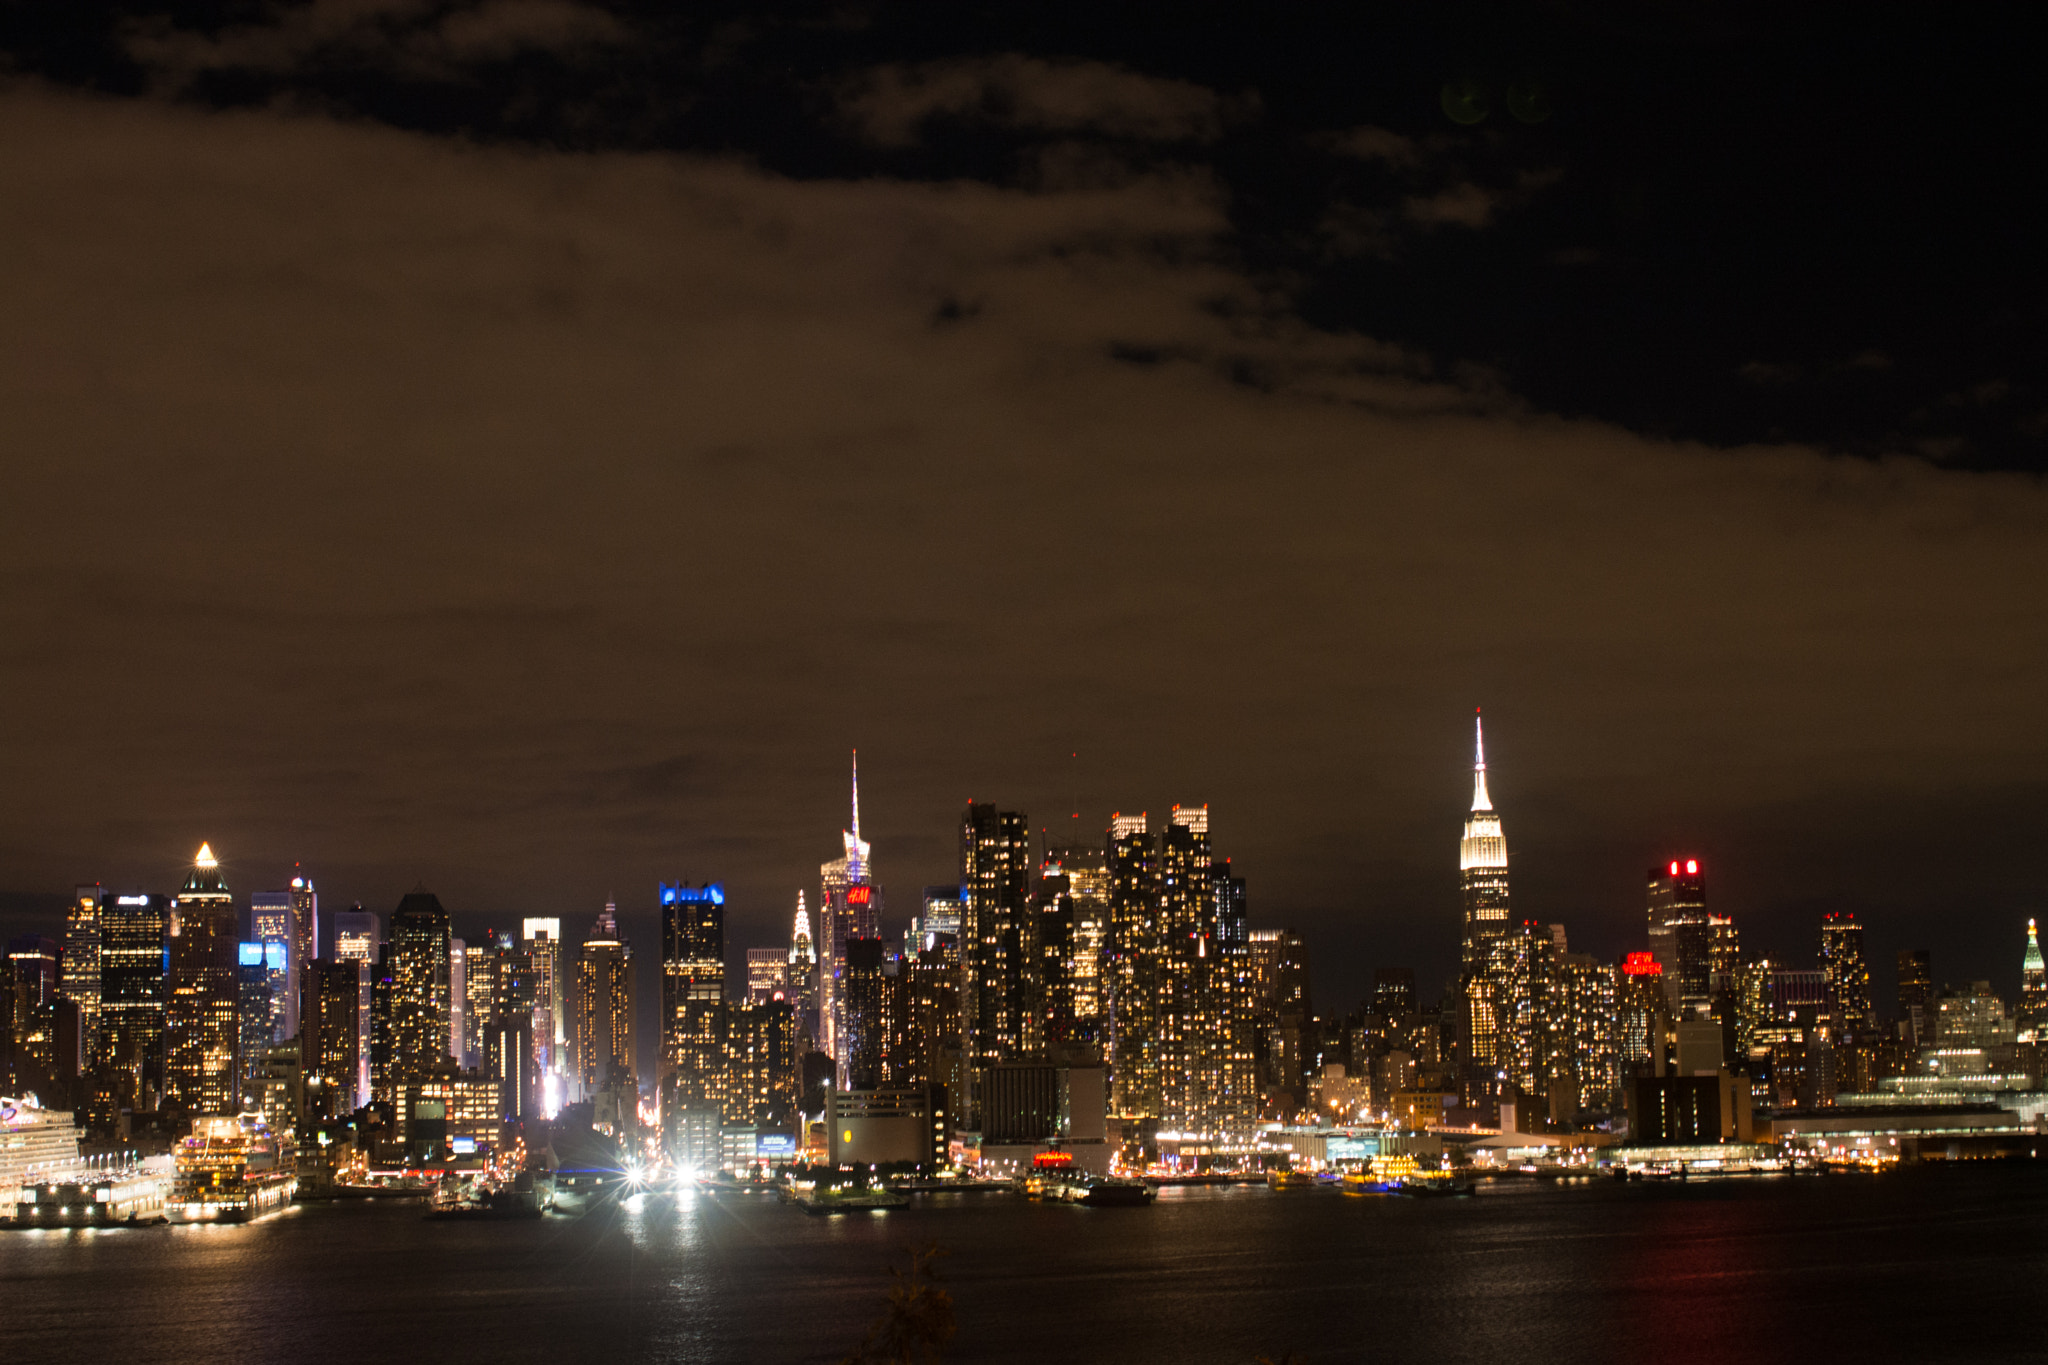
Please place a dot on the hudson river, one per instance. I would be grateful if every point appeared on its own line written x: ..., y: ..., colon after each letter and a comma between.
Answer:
x: 1920, y: 1265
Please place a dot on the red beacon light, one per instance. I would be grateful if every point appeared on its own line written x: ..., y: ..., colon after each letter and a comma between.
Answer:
x: 1674, y: 869
x: 1692, y: 867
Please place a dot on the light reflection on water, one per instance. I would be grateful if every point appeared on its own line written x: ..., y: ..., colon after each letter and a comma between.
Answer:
x: 1835, y: 1268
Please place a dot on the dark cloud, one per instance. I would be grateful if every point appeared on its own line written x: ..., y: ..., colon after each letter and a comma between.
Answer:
x: 891, y: 104
x: 542, y: 525
x: 422, y: 39
x: 535, y: 472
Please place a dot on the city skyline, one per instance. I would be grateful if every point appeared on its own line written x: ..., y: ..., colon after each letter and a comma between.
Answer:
x: 739, y: 945
x: 753, y: 920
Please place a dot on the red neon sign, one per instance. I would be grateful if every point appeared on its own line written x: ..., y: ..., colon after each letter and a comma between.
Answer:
x: 1641, y: 964
x: 1053, y: 1159
x: 858, y: 895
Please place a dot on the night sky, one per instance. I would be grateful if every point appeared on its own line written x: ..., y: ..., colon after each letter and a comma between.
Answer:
x: 523, y: 447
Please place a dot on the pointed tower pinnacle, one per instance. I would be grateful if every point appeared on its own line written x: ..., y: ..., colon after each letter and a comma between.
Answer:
x: 1480, y: 801
x: 856, y: 795
x: 2033, y: 962
x: 206, y: 858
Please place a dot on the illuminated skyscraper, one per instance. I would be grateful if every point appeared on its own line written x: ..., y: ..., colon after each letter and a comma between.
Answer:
x: 270, y: 925
x: 458, y: 999
x: 81, y: 976
x: 1132, y: 966
x: 201, y: 1005
x: 1682, y: 934
x: 873, y: 1016
x: 30, y: 1003
x: 480, y: 997
x: 694, y: 1019
x: 305, y: 904
x: 1584, y: 1071
x: 604, y: 1006
x: 1186, y: 928
x: 1280, y: 990
x: 332, y: 1043
x: 359, y: 940
x: 1642, y: 1008
x: 420, y: 1004
x: 1847, y: 974
x: 998, y: 957
x: 2033, y: 1015
x: 1483, y: 869
x: 944, y: 910
x: 543, y: 938
x: 849, y: 907
x: 692, y: 979
x: 259, y: 965
x: 767, y: 975
x: 1086, y: 871
x: 801, y: 976
x: 132, y: 933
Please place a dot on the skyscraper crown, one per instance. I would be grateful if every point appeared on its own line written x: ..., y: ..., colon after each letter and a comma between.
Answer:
x: 205, y: 879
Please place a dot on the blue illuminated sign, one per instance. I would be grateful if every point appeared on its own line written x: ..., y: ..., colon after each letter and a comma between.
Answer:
x: 713, y: 894
x: 252, y: 955
x: 462, y: 1146
x: 274, y: 955
x: 774, y: 1144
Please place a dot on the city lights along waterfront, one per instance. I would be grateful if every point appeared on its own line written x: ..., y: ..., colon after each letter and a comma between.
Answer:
x: 1082, y: 1070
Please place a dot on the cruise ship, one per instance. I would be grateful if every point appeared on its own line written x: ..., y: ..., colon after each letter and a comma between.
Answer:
x: 35, y: 1143
x: 231, y: 1169
x: 103, y: 1193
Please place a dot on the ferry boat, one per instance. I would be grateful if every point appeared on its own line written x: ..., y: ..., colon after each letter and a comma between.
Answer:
x: 1290, y: 1180
x: 1093, y: 1191
x: 1380, y: 1175
x: 231, y: 1169
x: 35, y: 1144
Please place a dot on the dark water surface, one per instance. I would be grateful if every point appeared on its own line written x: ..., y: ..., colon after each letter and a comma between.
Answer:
x: 1925, y: 1264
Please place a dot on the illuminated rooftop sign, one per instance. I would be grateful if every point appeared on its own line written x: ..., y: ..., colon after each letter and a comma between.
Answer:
x: 713, y: 894
x: 1641, y: 964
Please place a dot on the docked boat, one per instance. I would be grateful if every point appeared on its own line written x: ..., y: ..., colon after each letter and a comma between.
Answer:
x: 464, y: 1201
x: 1434, y: 1185
x: 35, y: 1145
x: 848, y: 1199
x: 233, y: 1168
x: 1091, y: 1191
x: 96, y: 1196
x: 1290, y: 1180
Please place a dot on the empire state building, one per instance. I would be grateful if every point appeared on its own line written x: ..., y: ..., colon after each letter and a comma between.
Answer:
x: 1483, y: 866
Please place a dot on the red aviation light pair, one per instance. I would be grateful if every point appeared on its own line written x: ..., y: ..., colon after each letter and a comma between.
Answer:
x: 1692, y: 867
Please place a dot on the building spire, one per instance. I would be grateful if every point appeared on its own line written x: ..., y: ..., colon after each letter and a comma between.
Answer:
x: 1480, y: 800
x: 856, y: 795
x: 2032, y: 962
